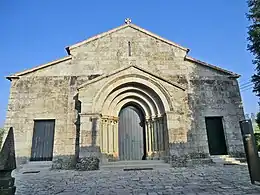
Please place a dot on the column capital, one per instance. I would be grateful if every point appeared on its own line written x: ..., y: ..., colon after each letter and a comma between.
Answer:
x: 148, y: 120
x: 93, y: 115
x: 110, y: 118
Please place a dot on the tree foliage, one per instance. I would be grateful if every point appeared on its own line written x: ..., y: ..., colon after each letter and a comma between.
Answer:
x: 257, y: 120
x: 254, y: 40
x: 257, y: 139
x: 257, y: 135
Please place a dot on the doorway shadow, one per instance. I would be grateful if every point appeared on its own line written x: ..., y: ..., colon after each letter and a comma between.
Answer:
x: 94, y: 120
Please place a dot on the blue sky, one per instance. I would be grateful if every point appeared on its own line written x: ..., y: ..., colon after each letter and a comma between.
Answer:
x: 35, y: 32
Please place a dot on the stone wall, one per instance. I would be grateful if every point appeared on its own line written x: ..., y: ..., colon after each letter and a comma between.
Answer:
x: 210, y: 93
x: 33, y: 98
x: 216, y: 97
x: 109, y: 53
x: 48, y: 93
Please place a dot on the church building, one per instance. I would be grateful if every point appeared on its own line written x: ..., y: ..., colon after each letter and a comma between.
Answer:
x: 125, y: 94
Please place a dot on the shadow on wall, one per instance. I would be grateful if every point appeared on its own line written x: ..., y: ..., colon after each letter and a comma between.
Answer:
x: 88, y: 162
x: 191, y: 150
x: 77, y: 124
x: 85, y: 163
x: 93, y: 147
x: 213, y: 94
x: 208, y: 91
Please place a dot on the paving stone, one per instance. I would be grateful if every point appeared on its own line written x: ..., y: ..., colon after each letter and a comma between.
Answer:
x: 216, y: 180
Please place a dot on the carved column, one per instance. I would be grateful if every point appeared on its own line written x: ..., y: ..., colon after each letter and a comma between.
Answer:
x: 152, y: 135
x: 149, y: 131
x: 158, y: 134
x: 109, y: 136
x: 113, y: 136
x: 162, y: 133
x: 153, y: 132
x: 147, y: 138
x: 110, y: 133
x: 116, y: 138
x: 104, y: 135
x: 101, y: 136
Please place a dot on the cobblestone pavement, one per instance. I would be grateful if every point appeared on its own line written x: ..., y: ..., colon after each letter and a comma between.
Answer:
x: 197, y: 180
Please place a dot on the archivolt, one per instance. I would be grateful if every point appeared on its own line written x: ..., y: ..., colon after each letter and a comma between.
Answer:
x: 146, y: 92
x: 134, y: 94
x: 132, y: 100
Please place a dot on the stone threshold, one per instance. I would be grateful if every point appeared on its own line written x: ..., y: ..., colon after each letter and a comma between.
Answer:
x: 134, y: 164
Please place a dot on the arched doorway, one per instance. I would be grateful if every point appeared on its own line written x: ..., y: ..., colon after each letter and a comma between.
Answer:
x: 131, y: 134
x: 148, y: 102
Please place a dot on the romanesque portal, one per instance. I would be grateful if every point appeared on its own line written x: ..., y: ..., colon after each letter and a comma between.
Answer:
x: 133, y: 124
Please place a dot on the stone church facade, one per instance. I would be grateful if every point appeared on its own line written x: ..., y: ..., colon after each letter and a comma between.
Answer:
x: 126, y: 94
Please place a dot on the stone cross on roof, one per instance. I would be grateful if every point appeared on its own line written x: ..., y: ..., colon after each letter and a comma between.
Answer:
x: 128, y: 21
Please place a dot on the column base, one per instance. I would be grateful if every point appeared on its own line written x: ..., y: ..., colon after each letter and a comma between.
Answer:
x: 157, y: 155
x: 105, y: 158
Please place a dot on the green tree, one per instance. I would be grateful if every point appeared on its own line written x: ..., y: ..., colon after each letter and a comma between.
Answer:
x: 257, y: 139
x: 257, y: 134
x: 254, y: 41
x: 257, y: 120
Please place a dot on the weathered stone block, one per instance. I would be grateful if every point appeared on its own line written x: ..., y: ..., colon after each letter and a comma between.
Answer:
x: 64, y: 162
x: 87, y: 164
x: 82, y: 164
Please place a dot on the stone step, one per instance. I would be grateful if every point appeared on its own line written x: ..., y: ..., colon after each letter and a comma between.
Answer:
x: 138, y: 165
x: 35, y: 166
x: 233, y: 161
x: 219, y: 156
x: 39, y: 164
x: 226, y: 159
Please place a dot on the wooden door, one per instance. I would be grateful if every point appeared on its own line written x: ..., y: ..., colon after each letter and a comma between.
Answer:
x: 131, y: 134
x: 43, y: 138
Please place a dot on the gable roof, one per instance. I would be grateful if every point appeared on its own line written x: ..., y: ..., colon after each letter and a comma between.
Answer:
x: 120, y: 28
x: 17, y: 75
x: 235, y: 75
x: 127, y: 67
